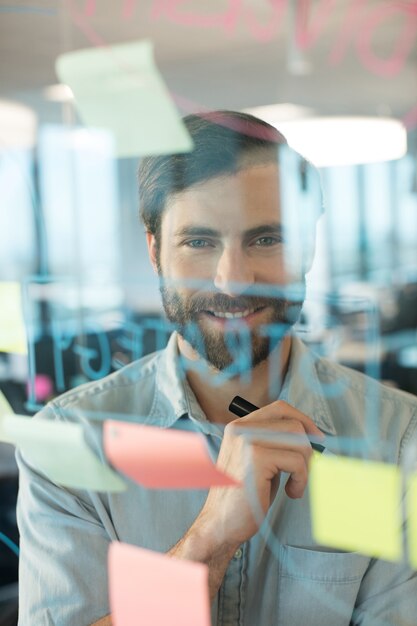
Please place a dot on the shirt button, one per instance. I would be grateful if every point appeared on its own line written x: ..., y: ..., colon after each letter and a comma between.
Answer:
x: 238, y: 554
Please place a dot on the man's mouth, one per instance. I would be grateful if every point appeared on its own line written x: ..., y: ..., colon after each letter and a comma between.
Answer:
x: 233, y: 315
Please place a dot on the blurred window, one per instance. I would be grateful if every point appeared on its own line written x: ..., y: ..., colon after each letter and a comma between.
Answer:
x: 17, y: 220
x: 78, y: 184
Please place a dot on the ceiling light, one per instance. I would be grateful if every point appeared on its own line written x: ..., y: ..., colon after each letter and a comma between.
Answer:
x: 331, y: 141
x: 327, y: 141
x: 17, y: 125
x: 274, y: 113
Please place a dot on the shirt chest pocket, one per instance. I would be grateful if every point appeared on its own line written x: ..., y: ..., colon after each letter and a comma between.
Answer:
x: 317, y: 588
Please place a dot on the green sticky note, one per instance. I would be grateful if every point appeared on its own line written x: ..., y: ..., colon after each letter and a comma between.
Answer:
x: 58, y: 449
x: 119, y: 88
x: 12, y: 326
x: 356, y: 506
x: 412, y: 519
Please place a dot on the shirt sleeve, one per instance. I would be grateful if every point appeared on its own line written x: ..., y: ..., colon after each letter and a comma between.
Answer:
x: 63, y: 553
x: 388, y: 593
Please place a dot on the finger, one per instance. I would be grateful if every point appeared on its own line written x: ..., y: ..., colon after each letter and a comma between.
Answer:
x: 297, y: 481
x: 271, y: 428
x: 281, y: 409
x: 285, y: 433
x: 277, y: 461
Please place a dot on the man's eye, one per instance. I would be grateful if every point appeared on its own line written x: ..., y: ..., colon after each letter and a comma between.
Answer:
x: 197, y: 243
x: 267, y: 241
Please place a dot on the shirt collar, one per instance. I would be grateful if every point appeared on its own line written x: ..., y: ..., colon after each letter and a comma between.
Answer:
x: 174, y: 399
x: 169, y: 403
x: 302, y: 387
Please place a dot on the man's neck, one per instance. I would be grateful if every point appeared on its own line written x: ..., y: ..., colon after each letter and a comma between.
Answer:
x: 214, y: 399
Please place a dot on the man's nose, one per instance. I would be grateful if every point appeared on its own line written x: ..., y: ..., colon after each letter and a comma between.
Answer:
x: 233, y: 272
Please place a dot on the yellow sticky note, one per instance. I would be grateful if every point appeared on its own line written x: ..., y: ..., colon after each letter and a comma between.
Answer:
x: 58, y: 449
x: 356, y: 506
x: 12, y: 326
x: 412, y: 519
x: 119, y: 88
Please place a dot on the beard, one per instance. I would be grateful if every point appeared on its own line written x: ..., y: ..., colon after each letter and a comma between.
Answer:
x: 236, y: 344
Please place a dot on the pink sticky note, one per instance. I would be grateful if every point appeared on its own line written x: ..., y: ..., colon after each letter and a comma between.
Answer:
x: 153, y: 589
x: 159, y: 458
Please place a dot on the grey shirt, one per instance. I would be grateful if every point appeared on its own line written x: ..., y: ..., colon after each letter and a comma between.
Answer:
x: 281, y: 576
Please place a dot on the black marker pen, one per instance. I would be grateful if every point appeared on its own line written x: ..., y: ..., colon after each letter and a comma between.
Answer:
x: 241, y: 407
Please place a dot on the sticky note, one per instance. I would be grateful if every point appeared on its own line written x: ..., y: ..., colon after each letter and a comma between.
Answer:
x: 356, y: 505
x: 160, y: 458
x: 153, y: 589
x: 119, y: 88
x: 12, y: 326
x: 58, y: 449
x: 412, y: 519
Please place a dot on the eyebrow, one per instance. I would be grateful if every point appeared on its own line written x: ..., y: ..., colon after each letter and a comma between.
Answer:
x: 203, y: 231
x: 197, y: 231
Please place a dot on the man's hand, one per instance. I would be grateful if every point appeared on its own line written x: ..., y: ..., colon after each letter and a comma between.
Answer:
x: 227, y: 517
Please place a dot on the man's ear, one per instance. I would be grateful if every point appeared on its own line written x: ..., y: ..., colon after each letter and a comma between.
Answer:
x: 152, y: 250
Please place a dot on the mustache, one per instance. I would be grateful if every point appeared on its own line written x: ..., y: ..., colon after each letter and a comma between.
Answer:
x: 222, y: 302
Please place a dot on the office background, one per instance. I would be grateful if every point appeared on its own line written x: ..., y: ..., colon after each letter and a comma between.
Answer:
x: 69, y: 228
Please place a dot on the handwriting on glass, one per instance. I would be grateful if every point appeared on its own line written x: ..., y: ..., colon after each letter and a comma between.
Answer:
x: 359, y: 25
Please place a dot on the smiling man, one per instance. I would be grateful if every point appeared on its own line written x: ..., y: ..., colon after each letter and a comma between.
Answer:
x: 231, y: 235
x: 231, y: 260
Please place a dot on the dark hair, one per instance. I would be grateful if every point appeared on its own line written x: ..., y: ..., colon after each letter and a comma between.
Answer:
x: 224, y: 142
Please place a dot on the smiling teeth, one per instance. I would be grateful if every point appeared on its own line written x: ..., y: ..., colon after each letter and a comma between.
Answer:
x: 232, y: 316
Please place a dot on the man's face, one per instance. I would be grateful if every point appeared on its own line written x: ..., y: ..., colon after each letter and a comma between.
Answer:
x: 221, y: 241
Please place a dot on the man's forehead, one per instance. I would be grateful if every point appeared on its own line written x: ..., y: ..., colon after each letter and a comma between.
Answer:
x: 250, y: 194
